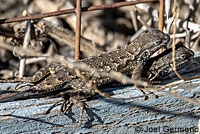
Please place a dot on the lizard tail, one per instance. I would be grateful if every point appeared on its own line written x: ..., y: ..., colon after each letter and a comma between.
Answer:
x: 17, y: 96
x: 29, y: 94
x: 20, y: 96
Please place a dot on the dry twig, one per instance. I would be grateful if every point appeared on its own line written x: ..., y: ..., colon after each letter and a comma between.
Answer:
x: 25, y: 46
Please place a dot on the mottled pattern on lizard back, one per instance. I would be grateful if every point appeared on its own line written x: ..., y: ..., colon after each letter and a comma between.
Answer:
x: 125, y: 59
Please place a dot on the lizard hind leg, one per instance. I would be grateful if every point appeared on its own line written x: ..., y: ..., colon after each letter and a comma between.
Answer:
x: 83, y: 106
x: 66, y: 105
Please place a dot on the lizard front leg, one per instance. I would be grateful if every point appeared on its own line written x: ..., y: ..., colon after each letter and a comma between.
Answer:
x: 139, y: 81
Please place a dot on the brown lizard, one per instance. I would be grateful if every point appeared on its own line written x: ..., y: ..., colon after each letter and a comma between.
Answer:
x: 57, y: 80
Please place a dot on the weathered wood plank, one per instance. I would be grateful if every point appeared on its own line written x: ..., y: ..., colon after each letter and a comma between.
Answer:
x: 110, y: 117
x: 155, y: 115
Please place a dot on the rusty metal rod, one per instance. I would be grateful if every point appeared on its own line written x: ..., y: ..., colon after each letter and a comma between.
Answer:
x: 68, y: 11
x: 78, y: 30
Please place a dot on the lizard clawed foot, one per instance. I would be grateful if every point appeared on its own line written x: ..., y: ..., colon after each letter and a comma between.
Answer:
x: 17, y: 87
x: 143, y: 92
x: 67, y: 104
x: 78, y: 102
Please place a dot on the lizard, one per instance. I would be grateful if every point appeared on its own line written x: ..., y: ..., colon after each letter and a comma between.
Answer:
x: 160, y: 66
x: 57, y: 80
x: 155, y: 68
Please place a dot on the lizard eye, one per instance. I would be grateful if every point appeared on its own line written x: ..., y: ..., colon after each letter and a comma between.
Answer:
x: 183, y: 56
x: 157, y: 42
x: 146, y: 53
x: 144, y: 56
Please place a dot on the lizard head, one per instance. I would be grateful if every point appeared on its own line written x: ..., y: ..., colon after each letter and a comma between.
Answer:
x: 152, y: 41
x: 160, y: 66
